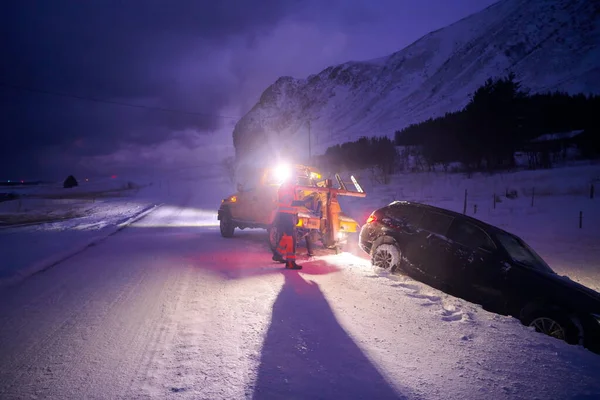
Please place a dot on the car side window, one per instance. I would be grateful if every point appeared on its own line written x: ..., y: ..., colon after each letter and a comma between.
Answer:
x: 435, y: 222
x: 469, y: 235
x: 405, y: 214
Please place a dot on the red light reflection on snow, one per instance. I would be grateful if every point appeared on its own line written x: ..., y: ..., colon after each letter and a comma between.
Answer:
x: 241, y: 259
x: 246, y: 264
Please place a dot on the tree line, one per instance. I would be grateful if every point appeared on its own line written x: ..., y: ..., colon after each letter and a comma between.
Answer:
x: 377, y: 153
x: 500, y: 119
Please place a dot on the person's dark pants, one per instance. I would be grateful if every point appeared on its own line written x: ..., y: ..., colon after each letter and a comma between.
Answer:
x: 309, y: 245
x: 286, y: 224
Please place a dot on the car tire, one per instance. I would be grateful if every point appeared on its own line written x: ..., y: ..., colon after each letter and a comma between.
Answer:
x: 386, y: 257
x: 226, y: 226
x: 553, y: 323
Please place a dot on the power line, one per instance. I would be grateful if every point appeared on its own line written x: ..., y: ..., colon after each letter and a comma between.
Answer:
x: 118, y: 103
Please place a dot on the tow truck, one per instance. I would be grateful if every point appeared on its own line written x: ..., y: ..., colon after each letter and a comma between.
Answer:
x: 320, y: 217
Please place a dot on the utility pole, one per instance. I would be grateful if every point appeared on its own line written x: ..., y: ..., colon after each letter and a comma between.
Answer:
x: 309, y: 152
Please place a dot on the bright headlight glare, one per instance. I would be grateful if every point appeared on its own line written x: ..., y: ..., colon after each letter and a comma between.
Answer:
x: 596, y: 317
x: 282, y: 172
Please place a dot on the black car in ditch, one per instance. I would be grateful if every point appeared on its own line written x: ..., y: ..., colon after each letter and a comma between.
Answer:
x: 482, y: 264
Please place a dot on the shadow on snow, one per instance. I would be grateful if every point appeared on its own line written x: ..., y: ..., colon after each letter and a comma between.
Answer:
x: 307, y: 354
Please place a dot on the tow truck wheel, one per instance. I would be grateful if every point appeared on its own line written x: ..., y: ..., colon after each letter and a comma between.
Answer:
x: 274, y: 237
x: 226, y: 226
x: 351, y: 244
x: 327, y: 244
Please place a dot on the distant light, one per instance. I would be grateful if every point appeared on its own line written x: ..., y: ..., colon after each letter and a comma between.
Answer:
x: 22, y: 181
x: 113, y: 177
x: 8, y: 180
x: 86, y: 179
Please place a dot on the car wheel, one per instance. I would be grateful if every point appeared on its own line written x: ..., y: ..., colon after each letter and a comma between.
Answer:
x: 386, y: 257
x: 553, y: 324
x: 226, y: 226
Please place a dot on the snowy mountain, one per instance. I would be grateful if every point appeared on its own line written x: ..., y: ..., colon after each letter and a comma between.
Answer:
x: 548, y: 44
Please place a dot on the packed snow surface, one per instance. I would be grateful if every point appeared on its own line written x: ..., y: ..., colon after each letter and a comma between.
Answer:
x: 167, y: 308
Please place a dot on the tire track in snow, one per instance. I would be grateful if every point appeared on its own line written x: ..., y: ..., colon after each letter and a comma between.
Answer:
x: 163, y: 332
x: 67, y: 346
x: 20, y: 362
x: 211, y: 348
x: 93, y: 337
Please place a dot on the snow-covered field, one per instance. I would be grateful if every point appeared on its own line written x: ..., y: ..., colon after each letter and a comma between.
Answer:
x: 78, y: 217
x: 166, y: 308
x: 73, y: 218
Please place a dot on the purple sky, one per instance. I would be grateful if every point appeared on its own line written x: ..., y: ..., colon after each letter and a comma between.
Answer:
x: 200, y: 56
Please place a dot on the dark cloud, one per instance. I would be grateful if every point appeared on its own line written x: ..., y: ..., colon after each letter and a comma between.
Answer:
x: 190, y: 55
x: 124, y: 51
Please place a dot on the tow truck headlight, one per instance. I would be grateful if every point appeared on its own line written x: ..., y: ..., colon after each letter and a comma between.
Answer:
x: 282, y: 172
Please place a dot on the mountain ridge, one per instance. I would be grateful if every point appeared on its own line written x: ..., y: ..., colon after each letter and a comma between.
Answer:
x: 549, y: 45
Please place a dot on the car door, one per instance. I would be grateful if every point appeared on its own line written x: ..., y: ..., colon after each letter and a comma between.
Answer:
x: 427, y: 249
x: 475, y: 267
x: 523, y: 272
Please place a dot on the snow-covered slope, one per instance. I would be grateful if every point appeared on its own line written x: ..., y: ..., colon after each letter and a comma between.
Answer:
x: 548, y: 44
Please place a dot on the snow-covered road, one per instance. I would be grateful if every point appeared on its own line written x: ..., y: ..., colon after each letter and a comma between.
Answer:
x: 166, y: 308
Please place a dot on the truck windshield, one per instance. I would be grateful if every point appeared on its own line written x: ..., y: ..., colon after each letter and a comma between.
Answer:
x: 304, y: 181
x: 300, y: 180
x: 520, y: 252
x: 300, y: 175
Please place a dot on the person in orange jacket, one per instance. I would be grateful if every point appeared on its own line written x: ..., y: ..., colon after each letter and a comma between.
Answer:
x: 285, y: 221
